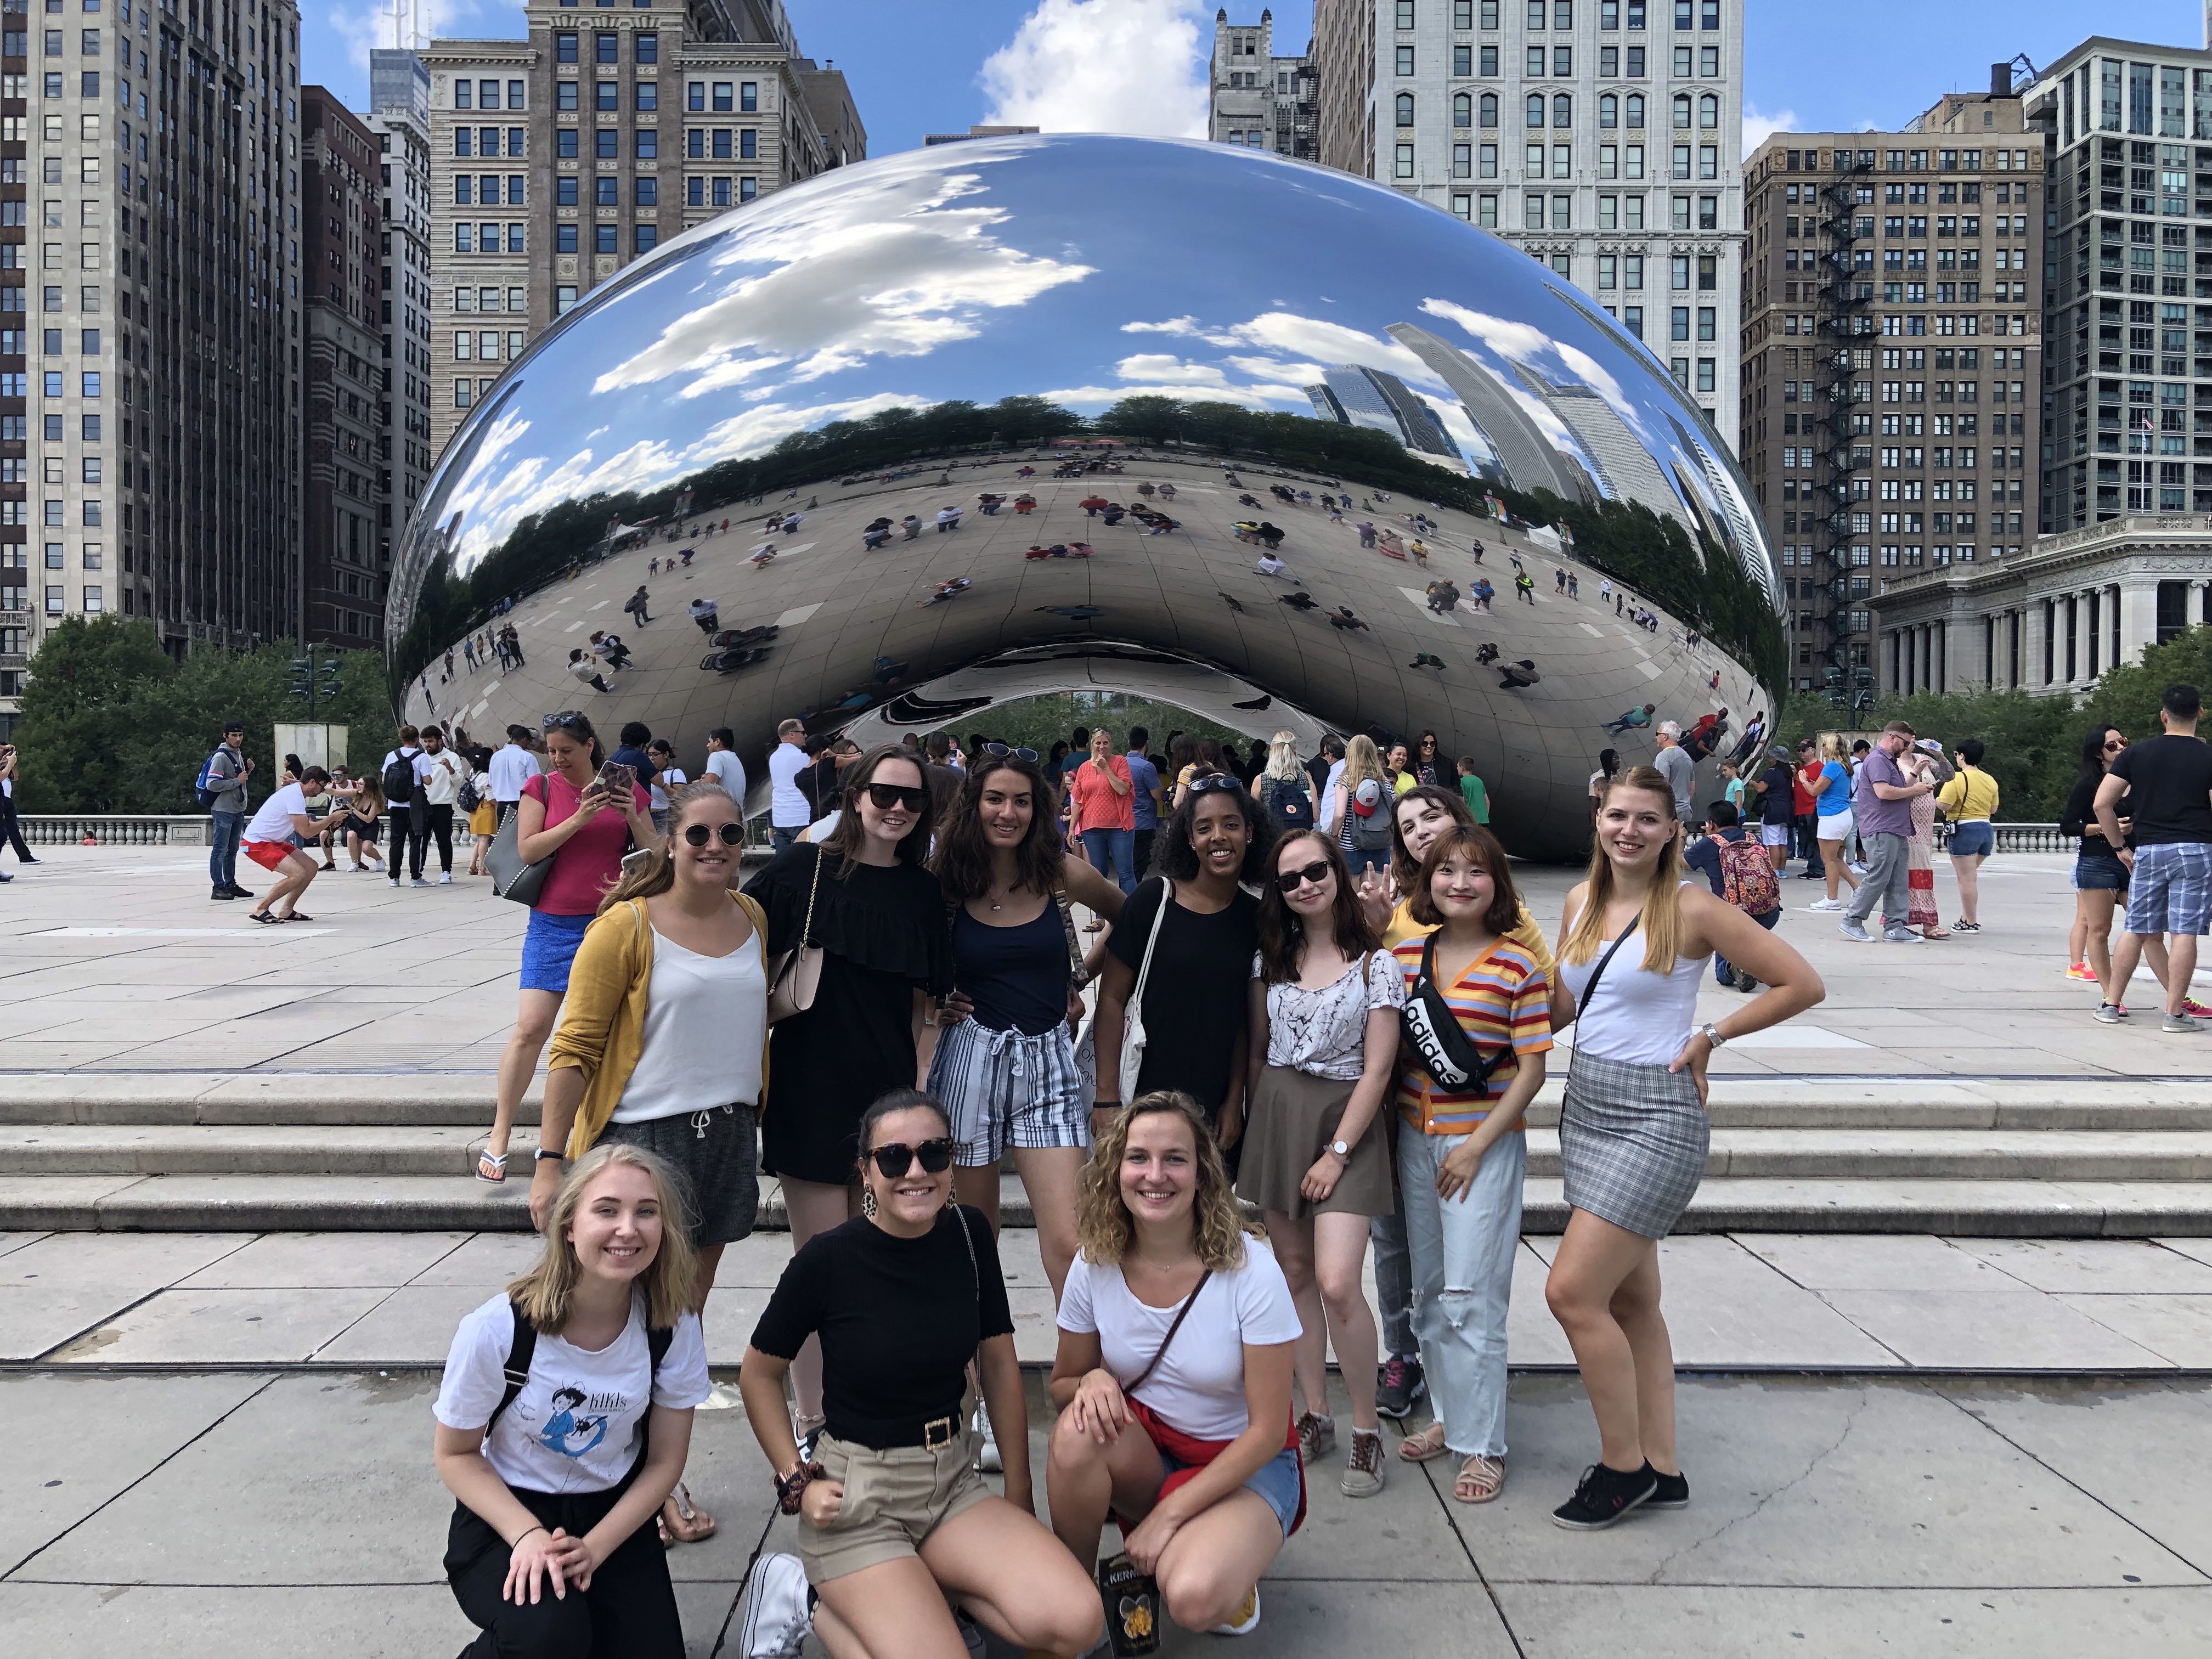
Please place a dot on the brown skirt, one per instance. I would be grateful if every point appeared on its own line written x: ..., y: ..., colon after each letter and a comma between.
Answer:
x: 1294, y: 1117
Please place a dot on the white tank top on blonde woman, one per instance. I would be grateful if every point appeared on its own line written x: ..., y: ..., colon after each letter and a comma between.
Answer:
x: 1641, y: 1018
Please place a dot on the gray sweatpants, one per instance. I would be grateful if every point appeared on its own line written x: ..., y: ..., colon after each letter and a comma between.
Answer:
x: 1883, y: 883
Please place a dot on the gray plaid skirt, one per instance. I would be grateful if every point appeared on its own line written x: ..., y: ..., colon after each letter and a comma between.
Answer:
x: 1632, y: 1143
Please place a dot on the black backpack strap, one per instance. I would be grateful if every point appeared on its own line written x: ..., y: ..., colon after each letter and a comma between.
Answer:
x: 519, y: 1352
x: 656, y: 1344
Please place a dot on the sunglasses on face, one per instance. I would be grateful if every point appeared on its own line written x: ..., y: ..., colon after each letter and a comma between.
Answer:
x: 888, y: 795
x: 1030, y: 755
x: 895, y: 1158
x: 698, y: 833
x: 2114, y: 747
x: 1291, y: 880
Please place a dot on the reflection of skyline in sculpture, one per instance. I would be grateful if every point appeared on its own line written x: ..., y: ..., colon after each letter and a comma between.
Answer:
x: 1355, y: 395
x: 1736, y: 533
x: 1526, y: 456
x: 1624, y: 468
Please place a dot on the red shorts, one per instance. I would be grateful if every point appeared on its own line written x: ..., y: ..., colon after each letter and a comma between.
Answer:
x: 268, y: 854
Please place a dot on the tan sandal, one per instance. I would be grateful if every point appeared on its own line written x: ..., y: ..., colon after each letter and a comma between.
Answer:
x: 1425, y: 1447
x: 1480, y: 1479
x: 690, y: 1525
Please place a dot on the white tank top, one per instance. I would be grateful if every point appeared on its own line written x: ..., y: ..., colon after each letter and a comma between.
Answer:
x: 1640, y: 1018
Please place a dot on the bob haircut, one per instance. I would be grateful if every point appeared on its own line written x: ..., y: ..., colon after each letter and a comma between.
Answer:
x: 845, y: 841
x: 1469, y: 840
x: 547, y: 1292
x: 1103, y: 1229
x: 963, y: 862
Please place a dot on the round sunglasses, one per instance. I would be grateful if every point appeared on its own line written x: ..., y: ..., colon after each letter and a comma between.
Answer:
x: 731, y: 834
x: 895, y: 1158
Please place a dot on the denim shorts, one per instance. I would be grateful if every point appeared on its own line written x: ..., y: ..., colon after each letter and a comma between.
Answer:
x: 2100, y: 873
x: 1973, y: 839
x: 548, y: 948
x: 1276, y: 1480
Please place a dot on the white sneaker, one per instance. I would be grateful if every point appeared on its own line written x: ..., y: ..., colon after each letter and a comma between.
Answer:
x: 1825, y: 904
x: 1245, y: 1620
x: 777, y: 1616
x: 445, y: 880
x: 987, y: 1459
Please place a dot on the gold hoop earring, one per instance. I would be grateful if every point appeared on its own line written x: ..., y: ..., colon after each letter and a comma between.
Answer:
x: 867, y: 1200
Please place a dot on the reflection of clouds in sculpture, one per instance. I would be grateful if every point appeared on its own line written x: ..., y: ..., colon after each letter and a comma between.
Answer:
x: 890, y: 269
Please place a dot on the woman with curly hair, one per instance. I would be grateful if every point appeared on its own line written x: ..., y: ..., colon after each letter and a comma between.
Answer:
x: 1173, y: 1376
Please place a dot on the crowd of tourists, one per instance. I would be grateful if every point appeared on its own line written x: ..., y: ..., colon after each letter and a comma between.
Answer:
x: 1319, y: 1001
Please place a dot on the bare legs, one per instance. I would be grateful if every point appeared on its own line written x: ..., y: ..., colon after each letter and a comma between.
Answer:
x: 1969, y: 873
x: 1604, y: 1291
x: 2077, y: 937
x: 2174, y: 964
x: 1832, y: 857
x: 293, y: 876
x: 1210, y: 1562
x: 359, y: 847
x: 1322, y: 1257
x: 814, y: 1206
x: 534, y: 1015
x: 1052, y: 1175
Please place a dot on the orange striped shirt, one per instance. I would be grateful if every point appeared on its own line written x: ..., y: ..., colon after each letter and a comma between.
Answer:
x: 1503, y: 999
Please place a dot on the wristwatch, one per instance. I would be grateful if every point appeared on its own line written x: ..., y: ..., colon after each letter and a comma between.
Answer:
x: 544, y: 1152
x: 1713, y: 1035
x: 1340, y: 1149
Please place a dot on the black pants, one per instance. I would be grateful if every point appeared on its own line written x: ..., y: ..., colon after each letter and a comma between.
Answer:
x: 408, y: 839
x: 1141, y: 857
x: 11, y: 828
x: 441, y: 824
x: 629, y: 1613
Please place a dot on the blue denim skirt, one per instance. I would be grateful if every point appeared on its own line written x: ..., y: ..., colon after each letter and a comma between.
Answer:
x: 547, y: 949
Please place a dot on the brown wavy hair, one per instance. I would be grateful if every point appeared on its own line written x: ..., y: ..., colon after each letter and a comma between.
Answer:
x: 1283, y: 932
x: 1470, y: 840
x: 1661, y: 917
x: 1405, y: 869
x: 962, y: 861
x: 548, y: 1290
x: 844, y: 844
x: 1103, y: 1229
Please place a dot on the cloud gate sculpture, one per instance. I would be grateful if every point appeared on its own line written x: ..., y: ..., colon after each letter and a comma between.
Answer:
x: 1237, y: 432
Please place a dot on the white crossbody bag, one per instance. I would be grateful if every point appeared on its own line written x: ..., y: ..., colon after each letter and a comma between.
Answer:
x: 1133, y: 1017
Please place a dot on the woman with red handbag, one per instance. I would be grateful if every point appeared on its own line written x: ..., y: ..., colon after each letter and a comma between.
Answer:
x: 1195, y: 1456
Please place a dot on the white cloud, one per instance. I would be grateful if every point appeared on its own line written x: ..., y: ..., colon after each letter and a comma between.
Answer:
x: 1102, y: 66
x: 1758, y: 127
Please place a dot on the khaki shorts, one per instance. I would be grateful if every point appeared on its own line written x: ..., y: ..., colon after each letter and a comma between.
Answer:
x: 893, y: 1500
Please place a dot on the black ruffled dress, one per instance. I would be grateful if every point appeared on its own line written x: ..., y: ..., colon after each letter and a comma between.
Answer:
x: 884, y: 936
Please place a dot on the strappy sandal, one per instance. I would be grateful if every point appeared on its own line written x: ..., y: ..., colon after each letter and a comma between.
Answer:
x: 691, y: 1525
x: 262, y: 916
x: 295, y: 915
x: 1425, y: 1447
x: 1480, y: 1479
x: 492, y: 1168
x: 1966, y: 926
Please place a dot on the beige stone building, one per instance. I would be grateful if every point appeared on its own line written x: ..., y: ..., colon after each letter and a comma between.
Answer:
x: 558, y: 159
x: 1260, y: 99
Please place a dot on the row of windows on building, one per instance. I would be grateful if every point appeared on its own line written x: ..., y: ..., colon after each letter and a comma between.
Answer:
x: 1614, y: 112
x: 723, y: 97
x: 1909, y: 160
x: 511, y: 236
x: 1467, y: 15
x: 700, y: 143
x: 1471, y: 160
x: 1470, y: 63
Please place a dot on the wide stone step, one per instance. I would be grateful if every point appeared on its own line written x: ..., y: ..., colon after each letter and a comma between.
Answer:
x: 251, y: 1203
x: 73, y: 1149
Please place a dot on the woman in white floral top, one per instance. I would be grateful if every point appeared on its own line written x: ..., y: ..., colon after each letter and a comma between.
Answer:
x: 1317, y: 1158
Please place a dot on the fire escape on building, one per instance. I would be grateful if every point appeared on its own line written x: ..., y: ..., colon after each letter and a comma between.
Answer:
x: 1845, y: 328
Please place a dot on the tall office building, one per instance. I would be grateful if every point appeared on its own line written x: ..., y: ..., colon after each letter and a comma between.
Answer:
x: 341, y: 576
x: 159, y: 461
x: 1892, y: 350
x: 1602, y: 136
x: 2127, y: 425
x: 1260, y: 100
x: 15, y: 620
x: 1355, y: 395
x: 556, y: 161
x: 399, y: 116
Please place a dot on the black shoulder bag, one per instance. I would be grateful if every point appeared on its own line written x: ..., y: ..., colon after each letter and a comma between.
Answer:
x: 1454, y: 1060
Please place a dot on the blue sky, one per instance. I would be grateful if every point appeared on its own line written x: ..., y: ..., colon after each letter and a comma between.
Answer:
x: 1138, y: 65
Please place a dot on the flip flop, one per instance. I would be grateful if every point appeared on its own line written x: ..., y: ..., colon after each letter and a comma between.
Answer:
x: 692, y: 1525
x: 493, y: 1162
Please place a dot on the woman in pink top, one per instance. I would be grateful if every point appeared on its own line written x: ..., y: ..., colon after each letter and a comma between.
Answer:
x: 1103, y: 811
x: 565, y: 814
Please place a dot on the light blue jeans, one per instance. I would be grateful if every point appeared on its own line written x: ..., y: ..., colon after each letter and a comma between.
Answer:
x: 1462, y: 1252
x: 1113, y: 855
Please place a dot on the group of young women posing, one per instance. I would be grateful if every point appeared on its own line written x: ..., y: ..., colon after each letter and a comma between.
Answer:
x: 1345, y: 1057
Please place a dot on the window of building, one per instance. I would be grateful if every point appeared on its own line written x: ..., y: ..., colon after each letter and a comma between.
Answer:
x: 564, y: 238
x: 1405, y: 109
x: 749, y: 96
x: 1405, y: 60
x: 607, y: 46
x: 606, y: 197
x: 649, y: 47
x: 648, y: 94
x: 1563, y: 110
x: 1404, y: 166
x: 565, y: 142
x: 487, y: 94
x: 648, y: 143
x: 1462, y: 110
x: 607, y: 94
x: 1635, y: 111
x: 564, y: 48
x: 1608, y: 110
x: 648, y: 237
x: 610, y: 143
x: 1536, y: 111
x: 607, y: 239
x: 649, y: 193
x: 1490, y: 109
x: 564, y: 95
x: 1486, y: 211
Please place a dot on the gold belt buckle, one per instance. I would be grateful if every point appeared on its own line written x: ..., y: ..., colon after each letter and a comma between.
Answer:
x: 938, y: 1433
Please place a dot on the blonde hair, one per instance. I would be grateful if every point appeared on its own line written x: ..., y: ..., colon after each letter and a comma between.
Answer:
x: 656, y: 873
x: 1363, y: 761
x: 1832, y: 749
x: 547, y: 1292
x: 1662, y: 916
x: 1283, y: 756
x: 1103, y: 1228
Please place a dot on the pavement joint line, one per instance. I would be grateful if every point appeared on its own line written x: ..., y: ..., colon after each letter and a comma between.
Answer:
x: 1445, y: 1501
x: 2127, y: 1521
x: 147, y: 1474
x: 244, y: 1240
x: 83, y: 1074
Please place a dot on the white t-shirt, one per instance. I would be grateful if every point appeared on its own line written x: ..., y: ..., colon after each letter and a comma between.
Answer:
x: 1198, y: 1384
x: 724, y: 766
x: 1325, y: 814
x: 576, y: 1425
x: 273, y: 822
x: 663, y: 780
x: 706, y: 1028
x: 512, y: 766
x: 787, y: 810
x: 441, y: 777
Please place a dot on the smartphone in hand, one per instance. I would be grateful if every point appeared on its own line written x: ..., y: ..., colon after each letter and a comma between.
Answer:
x: 617, y: 780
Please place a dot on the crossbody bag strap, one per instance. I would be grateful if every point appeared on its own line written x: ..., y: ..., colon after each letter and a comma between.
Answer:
x: 807, y: 930
x: 1598, y: 973
x: 1077, y: 974
x: 1181, y: 1314
x: 521, y: 1348
x: 1145, y: 966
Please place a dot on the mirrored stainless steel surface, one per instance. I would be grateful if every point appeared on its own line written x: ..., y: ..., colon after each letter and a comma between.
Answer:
x: 1249, y: 353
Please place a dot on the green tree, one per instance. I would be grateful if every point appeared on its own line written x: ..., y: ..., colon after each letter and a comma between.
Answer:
x: 2030, y: 742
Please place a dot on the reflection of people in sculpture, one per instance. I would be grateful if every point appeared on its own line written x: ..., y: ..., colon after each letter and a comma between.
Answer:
x: 706, y: 613
x: 948, y: 518
x: 1271, y: 564
x: 875, y: 535
x: 1486, y: 653
x: 1300, y: 600
x: 1424, y: 660
x: 912, y: 525
x: 1634, y: 717
x: 1342, y: 616
x: 1247, y: 499
x: 1516, y: 675
x: 947, y: 590
x: 763, y: 555
x: 1443, y: 596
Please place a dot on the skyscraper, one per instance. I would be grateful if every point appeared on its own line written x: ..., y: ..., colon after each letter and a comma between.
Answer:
x: 1525, y: 455
x: 1356, y: 395
x: 1260, y: 100
x: 1604, y: 137
x: 399, y: 116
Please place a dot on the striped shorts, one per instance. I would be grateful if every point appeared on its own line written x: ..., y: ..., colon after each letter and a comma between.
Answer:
x: 1004, y: 1089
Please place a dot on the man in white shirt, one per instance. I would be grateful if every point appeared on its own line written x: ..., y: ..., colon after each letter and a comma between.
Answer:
x: 1325, y: 814
x: 443, y: 772
x: 723, y: 766
x: 409, y: 817
x: 513, y: 765
x: 274, y: 841
x: 788, y: 812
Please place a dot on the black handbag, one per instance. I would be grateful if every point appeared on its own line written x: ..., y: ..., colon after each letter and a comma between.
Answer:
x: 512, y: 878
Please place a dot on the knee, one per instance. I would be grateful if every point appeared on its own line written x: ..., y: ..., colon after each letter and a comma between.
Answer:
x: 556, y: 1627
x: 1194, y: 1595
x: 1072, y: 1619
x: 533, y: 1029
x: 1568, y: 1299
x: 1343, y: 1295
x: 1070, y: 1451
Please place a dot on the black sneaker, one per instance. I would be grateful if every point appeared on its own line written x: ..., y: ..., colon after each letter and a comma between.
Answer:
x: 1672, y: 1492
x: 222, y: 893
x: 1603, y: 1497
x: 1398, y: 1385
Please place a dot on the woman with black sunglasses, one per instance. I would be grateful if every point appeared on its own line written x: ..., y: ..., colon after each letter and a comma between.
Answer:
x: 873, y: 922
x: 895, y: 1521
x: 661, y: 1043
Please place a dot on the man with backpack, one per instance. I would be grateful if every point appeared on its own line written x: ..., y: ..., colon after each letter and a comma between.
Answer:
x: 1741, y: 874
x: 405, y: 772
x: 222, y: 790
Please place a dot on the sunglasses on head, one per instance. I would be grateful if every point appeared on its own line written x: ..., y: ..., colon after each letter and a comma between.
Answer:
x: 1000, y: 749
x: 568, y: 720
x: 888, y: 795
x: 1291, y: 880
x: 895, y: 1158
x: 1212, y: 783
x: 732, y: 834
